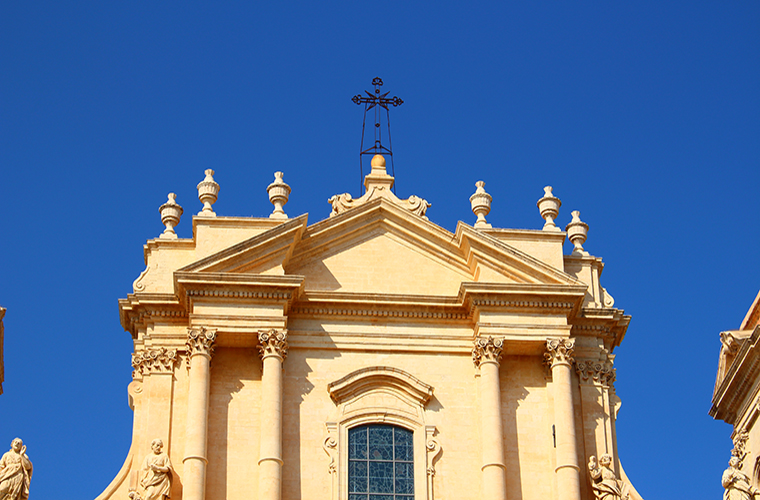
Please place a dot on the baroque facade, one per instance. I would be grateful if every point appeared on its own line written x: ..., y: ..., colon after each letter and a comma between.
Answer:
x: 372, y: 355
x: 736, y: 401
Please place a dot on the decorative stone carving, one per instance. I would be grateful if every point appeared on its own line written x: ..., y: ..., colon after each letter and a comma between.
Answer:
x: 548, y: 206
x: 433, y: 451
x: 577, y: 231
x: 740, y: 446
x: 279, y: 192
x: 481, y: 205
x: 486, y: 350
x: 273, y: 343
x: 600, y: 371
x: 15, y: 472
x: 156, y: 480
x: 200, y: 341
x: 730, y: 343
x: 604, y: 482
x: 159, y: 360
x: 737, y: 484
x: 330, y: 445
x: 170, y: 214
x: 378, y: 184
x: 208, y: 191
x: 559, y: 351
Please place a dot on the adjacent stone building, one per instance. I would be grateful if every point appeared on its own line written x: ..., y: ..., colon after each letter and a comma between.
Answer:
x: 736, y: 398
x: 372, y: 355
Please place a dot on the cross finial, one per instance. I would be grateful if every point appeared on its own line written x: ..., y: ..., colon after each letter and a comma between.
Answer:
x: 377, y: 100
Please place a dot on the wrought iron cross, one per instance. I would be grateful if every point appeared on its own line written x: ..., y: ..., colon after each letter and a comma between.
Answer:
x: 377, y: 100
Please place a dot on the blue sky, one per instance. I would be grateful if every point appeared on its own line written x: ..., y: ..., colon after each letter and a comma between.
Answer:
x: 645, y: 117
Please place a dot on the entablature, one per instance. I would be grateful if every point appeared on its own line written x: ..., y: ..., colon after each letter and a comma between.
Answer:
x: 737, y: 389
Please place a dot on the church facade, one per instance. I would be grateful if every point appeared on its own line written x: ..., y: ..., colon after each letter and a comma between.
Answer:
x: 372, y: 355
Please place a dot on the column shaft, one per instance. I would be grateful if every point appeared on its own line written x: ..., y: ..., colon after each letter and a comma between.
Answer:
x: 273, y: 346
x: 494, y: 470
x: 195, y: 461
x: 567, y: 470
x: 199, y: 348
x: 270, y: 461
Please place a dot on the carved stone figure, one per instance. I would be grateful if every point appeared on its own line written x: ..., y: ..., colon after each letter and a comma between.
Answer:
x: 15, y: 472
x: 605, y: 484
x: 738, y: 485
x: 157, y: 473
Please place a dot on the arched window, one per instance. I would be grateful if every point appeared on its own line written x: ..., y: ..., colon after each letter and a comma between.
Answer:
x: 380, y: 463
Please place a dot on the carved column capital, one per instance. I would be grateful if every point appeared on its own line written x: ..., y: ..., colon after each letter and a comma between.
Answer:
x: 273, y: 343
x: 200, y: 341
x: 487, y: 350
x: 595, y: 371
x: 159, y: 360
x: 559, y: 351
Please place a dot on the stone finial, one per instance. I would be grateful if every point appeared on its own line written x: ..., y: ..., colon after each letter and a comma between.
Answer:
x: 208, y: 190
x: 481, y: 205
x: 170, y: 214
x: 279, y: 192
x: 548, y: 206
x: 576, y: 233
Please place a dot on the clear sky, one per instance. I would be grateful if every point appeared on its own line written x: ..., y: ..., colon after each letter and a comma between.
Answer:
x: 645, y: 116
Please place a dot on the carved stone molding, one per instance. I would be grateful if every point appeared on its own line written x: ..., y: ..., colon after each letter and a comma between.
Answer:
x: 159, y: 360
x: 559, y: 351
x: 432, y: 452
x: 273, y: 343
x: 330, y: 445
x: 487, y: 349
x: 590, y: 370
x: 200, y: 341
x: 740, y: 446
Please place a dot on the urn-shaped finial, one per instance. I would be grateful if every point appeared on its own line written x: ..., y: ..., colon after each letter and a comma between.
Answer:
x: 481, y: 205
x: 279, y: 192
x: 170, y: 214
x: 576, y: 233
x: 548, y: 206
x: 208, y: 190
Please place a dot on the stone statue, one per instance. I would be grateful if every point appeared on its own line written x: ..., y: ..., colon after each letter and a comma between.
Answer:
x: 15, y: 472
x: 157, y: 473
x: 605, y: 484
x: 738, y: 485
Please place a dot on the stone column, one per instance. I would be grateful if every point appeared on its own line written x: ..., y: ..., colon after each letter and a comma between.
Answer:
x: 559, y: 356
x: 200, y: 347
x: 486, y: 355
x: 273, y: 347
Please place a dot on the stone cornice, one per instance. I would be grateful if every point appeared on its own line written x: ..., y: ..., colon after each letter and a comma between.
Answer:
x: 735, y: 392
x: 140, y: 309
x: 553, y: 299
x: 234, y: 286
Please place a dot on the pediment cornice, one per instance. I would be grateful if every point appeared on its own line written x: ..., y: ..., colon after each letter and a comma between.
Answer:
x: 734, y: 393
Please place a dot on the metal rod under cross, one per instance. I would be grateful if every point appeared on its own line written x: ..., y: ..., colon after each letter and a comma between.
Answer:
x: 376, y: 100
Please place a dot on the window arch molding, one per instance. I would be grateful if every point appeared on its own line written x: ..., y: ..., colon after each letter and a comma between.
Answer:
x: 381, y: 395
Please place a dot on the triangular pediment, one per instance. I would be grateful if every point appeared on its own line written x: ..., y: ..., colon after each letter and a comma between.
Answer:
x: 264, y: 253
x: 380, y: 248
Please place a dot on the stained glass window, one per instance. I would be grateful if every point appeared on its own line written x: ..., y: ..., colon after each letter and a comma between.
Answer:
x: 380, y: 463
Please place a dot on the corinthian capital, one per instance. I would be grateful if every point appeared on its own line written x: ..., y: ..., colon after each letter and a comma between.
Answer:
x: 273, y: 343
x: 559, y: 351
x: 159, y: 360
x: 200, y: 341
x: 486, y: 350
x: 590, y: 370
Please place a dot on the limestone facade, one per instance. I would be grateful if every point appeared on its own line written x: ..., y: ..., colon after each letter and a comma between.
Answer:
x: 736, y: 398
x: 261, y: 344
